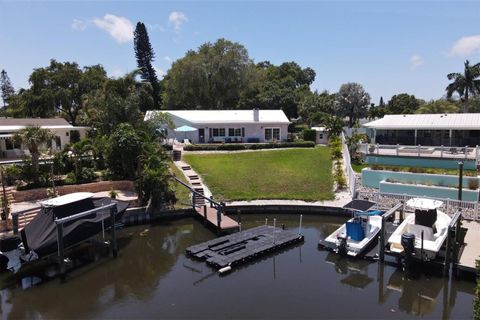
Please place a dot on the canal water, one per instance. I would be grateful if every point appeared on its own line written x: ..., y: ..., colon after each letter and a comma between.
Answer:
x: 152, y: 278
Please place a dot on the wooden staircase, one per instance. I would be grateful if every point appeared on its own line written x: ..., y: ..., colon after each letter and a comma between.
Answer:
x: 199, y: 201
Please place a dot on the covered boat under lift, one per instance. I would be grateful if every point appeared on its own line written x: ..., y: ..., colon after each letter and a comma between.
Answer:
x: 62, y: 223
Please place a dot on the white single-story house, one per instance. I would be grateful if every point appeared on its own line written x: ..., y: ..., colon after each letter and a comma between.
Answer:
x: 62, y: 130
x: 229, y: 126
x: 447, y: 129
x: 321, y: 136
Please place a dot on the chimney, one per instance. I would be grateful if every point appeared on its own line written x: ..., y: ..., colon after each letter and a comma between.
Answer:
x: 256, y: 114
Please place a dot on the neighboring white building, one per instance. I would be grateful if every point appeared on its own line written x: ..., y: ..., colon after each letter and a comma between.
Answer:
x: 228, y: 125
x: 59, y: 126
x: 321, y: 136
x: 447, y: 129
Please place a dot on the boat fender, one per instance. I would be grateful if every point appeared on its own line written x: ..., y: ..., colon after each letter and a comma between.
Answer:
x: 225, y: 270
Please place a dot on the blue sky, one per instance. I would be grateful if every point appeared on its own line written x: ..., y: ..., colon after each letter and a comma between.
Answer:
x: 389, y: 47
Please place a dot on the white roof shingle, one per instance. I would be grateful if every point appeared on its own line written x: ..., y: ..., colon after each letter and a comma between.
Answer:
x: 225, y: 116
x: 443, y: 121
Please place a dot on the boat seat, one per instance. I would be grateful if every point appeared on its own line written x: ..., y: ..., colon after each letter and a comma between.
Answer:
x: 417, y: 231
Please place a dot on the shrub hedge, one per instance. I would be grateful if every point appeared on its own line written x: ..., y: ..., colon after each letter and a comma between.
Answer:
x: 309, y: 135
x: 253, y: 146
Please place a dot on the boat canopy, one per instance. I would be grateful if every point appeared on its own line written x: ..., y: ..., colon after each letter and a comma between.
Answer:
x: 424, y: 204
x: 66, y: 199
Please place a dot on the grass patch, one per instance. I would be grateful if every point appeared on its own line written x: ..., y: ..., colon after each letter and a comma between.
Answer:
x: 357, y: 167
x: 302, y: 174
x: 183, y: 194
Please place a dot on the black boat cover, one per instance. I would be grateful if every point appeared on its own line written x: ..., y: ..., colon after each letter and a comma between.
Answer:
x: 360, y: 205
x: 40, y: 235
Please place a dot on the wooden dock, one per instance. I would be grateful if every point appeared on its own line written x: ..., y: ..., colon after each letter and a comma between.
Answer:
x: 243, y: 246
x: 209, y: 215
x: 470, y: 251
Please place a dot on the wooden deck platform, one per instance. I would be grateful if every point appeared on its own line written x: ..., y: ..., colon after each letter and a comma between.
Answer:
x: 471, y: 249
x: 226, y: 223
x: 243, y: 246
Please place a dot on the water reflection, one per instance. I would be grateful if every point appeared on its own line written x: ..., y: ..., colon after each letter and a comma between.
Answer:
x: 417, y: 296
x: 153, y: 278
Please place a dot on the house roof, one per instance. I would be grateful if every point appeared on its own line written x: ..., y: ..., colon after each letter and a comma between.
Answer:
x: 444, y: 121
x: 225, y: 116
x: 23, y: 122
x: 15, y: 124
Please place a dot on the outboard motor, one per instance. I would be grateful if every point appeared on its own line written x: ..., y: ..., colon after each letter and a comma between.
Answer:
x: 408, y: 244
x: 342, y: 244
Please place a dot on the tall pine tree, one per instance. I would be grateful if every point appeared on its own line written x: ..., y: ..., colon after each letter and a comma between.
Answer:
x: 6, y: 87
x: 145, y: 57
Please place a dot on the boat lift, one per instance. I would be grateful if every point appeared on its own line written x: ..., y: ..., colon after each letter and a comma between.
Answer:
x: 453, y: 242
x: 112, y: 207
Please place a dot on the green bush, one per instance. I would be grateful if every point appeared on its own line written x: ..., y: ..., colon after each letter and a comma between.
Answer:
x: 473, y: 184
x: 252, y: 146
x: 86, y: 175
x: 309, y: 135
x: 11, y: 174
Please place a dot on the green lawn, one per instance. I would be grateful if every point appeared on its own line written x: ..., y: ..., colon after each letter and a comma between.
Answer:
x: 183, y: 194
x: 302, y: 174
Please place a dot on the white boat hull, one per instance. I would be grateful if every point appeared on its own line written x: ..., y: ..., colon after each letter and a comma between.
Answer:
x: 354, y: 248
x: 432, y: 241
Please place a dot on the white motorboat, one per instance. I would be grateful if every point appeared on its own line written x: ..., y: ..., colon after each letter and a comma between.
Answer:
x: 427, y: 223
x: 354, y: 236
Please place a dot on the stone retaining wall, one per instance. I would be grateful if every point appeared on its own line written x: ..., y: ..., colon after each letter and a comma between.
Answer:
x: 41, y: 193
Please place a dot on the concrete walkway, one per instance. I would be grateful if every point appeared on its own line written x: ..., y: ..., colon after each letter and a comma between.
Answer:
x: 341, y: 199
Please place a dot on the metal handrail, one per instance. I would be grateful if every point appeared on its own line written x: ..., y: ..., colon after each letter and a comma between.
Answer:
x: 82, y: 214
x: 196, y: 193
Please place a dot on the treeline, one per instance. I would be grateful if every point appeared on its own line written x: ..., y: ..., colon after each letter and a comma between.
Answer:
x: 218, y: 75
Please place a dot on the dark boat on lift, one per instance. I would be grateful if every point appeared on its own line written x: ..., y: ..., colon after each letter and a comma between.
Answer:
x: 38, y: 240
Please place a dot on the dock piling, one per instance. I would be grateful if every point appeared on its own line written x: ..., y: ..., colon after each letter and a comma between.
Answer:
x: 61, y: 252
x: 300, y: 224
x: 113, y: 236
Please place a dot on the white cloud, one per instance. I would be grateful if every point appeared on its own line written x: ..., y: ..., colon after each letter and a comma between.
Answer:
x: 160, y: 72
x: 466, y: 46
x: 177, y: 18
x: 79, y: 24
x: 416, y: 61
x: 117, y: 72
x: 168, y: 59
x: 120, y: 28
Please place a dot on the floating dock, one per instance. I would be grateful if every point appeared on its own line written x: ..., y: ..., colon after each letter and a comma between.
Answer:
x: 243, y: 246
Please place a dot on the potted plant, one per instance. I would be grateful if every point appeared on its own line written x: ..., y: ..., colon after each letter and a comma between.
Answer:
x: 113, y: 194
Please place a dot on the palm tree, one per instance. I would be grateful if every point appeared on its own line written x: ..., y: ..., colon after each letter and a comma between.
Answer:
x: 33, y: 137
x: 465, y: 84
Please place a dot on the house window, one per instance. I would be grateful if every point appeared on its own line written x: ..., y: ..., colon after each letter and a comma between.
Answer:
x: 218, y: 132
x: 272, y: 134
x: 10, y: 144
x: 234, y: 132
x: 320, y: 136
x: 58, y: 143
